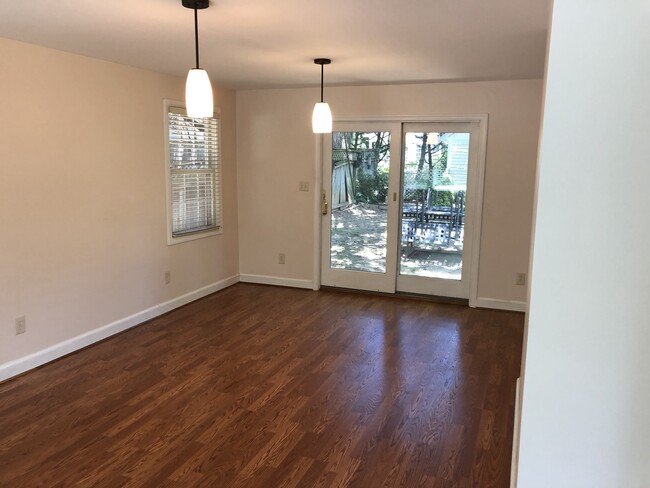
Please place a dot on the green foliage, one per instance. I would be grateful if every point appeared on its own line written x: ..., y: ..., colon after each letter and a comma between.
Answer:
x: 445, y: 199
x: 371, y: 188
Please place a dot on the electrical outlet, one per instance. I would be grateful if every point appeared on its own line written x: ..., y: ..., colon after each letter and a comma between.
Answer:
x: 168, y: 277
x: 281, y: 258
x: 21, y: 325
x: 303, y: 186
x: 521, y: 279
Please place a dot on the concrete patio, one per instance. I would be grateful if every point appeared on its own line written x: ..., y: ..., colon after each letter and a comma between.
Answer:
x: 358, y: 242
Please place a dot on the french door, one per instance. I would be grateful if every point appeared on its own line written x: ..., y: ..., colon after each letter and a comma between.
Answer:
x: 361, y: 183
x: 400, y: 203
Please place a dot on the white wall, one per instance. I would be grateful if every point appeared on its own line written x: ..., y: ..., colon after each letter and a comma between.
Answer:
x: 82, y: 197
x: 275, y: 150
x: 586, y: 385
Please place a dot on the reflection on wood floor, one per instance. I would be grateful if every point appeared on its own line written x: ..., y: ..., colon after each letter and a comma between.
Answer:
x: 259, y: 386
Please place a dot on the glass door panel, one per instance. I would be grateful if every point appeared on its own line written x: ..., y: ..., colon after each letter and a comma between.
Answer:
x: 433, y: 204
x: 438, y: 160
x: 360, y: 226
x: 360, y: 170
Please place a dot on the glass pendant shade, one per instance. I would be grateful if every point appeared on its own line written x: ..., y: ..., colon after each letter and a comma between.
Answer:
x: 198, y: 94
x: 321, y: 119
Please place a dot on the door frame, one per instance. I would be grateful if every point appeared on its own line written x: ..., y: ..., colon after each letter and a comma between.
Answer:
x: 474, y: 251
x: 438, y: 285
x: 385, y: 281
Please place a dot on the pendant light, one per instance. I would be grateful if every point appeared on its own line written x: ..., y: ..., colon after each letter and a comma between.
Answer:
x: 321, y: 119
x: 198, y: 91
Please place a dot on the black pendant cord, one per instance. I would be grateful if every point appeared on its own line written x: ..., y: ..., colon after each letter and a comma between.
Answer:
x: 322, y: 62
x: 196, y: 37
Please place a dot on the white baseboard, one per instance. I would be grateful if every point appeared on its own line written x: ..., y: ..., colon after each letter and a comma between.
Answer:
x: 498, y: 304
x: 515, y: 437
x: 274, y: 280
x: 21, y: 365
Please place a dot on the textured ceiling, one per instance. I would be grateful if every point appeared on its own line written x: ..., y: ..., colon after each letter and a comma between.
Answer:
x: 262, y: 43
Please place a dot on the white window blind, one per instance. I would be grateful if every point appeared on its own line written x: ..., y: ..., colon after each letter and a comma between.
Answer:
x: 195, y: 173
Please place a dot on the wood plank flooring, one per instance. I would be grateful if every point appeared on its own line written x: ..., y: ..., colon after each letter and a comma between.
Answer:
x: 259, y: 386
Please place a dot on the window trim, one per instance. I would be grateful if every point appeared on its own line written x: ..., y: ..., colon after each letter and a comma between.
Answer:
x: 199, y: 234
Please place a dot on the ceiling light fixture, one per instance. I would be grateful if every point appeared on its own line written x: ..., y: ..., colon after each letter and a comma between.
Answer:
x: 321, y: 119
x: 198, y: 91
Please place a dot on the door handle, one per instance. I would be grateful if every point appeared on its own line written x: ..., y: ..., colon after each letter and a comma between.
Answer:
x: 323, y: 203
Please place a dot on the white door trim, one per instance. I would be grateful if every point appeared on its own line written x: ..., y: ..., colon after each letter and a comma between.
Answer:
x: 481, y: 119
x: 318, y: 190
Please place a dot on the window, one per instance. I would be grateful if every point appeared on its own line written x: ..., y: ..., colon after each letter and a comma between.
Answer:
x: 193, y: 175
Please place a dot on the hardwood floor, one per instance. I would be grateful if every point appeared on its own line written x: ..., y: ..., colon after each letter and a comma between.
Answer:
x: 259, y: 386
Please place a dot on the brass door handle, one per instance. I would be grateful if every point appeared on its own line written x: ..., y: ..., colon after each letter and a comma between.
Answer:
x: 323, y: 204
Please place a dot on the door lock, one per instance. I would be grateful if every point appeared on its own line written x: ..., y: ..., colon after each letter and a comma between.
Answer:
x: 323, y: 204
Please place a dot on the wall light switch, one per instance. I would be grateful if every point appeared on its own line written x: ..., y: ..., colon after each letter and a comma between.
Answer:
x: 303, y: 186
